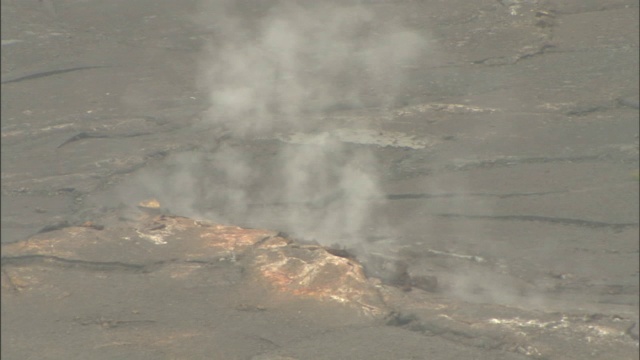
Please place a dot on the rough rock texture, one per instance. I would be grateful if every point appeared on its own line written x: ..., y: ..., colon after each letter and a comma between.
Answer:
x: 307, y: 271
x: 508, y: 176
x: 179, y: 250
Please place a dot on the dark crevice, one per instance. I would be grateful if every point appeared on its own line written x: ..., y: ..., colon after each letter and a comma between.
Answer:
x: 514, y: 59
x: 51, y: 260
x: 86, y: 135
x: 602, y: 8
x: 92, y: 265
x: 510, y: 161
x: 547, y: 219
x: 425, y: 327
x: 319, y: 204
x: 415, y: 196
x: 53, y: 227
x: 66, y: 224
x: 50, y: 73
x: 112, y: 323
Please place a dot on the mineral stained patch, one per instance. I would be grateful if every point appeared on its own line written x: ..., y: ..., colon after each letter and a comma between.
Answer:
x: 307, y: 271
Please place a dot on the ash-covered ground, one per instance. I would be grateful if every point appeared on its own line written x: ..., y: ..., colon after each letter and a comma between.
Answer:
x: 492, y: 146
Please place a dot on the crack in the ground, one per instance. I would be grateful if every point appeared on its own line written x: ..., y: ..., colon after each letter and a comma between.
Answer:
x: 50, y: 73
x: 514, y: 59
x: 601, y: 9
x: 433, y: 327
x: 412, y: 196
x: 547, y: 219
x: 87, y: 135
x: 514, y: 160
x: 320, y: 203
x: 57, y: 261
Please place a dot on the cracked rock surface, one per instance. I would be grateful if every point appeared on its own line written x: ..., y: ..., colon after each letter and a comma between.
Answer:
x: 503, y: 225
x: 257, y: 274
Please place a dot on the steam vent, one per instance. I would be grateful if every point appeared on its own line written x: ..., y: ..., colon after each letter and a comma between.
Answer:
x: 260, y: 274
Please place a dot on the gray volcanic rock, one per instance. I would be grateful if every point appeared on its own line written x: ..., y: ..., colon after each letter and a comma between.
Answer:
x: 274, y: 261
x: 267, y: 272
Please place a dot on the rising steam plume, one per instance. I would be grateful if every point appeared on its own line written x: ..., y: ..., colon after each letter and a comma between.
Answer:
x: 269, y: 68
x: 273, y: 68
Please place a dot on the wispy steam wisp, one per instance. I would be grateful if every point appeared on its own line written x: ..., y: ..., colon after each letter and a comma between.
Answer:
x: 267, y: 71
x: 274, y: 68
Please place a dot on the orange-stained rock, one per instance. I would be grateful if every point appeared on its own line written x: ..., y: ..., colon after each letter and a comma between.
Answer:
x: 206, y: 265
x: 150, y: 203
x: 277, y: 262
x: 158, y: 238
x: 311, y: 271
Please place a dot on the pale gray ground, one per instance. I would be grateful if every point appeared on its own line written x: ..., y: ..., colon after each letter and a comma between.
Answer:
x: 515, y: 143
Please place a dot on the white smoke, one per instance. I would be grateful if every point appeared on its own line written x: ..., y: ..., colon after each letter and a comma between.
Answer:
x: 274, y: 68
